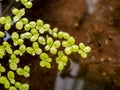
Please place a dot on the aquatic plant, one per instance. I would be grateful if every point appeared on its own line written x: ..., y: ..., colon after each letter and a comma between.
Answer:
x: 43, y: 39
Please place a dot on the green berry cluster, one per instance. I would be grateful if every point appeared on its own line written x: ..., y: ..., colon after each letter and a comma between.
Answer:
x: 44, y: 42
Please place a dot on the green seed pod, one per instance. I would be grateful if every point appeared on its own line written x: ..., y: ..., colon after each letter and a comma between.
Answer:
x: 75, y: 48
x: 66, y: 35
x: 30, y: 50
x: 53, y: 50
x: 22, y: 48
x: 38, y: 51
x: 15, y: 11
x: 34, y: 31
x: 15, y: 36
x: 49, y: 41
x: 87, y: 49
x: 19, y: 25
x: 39, y: 22
x: 34, y: 38
x: 2, y: 20
x: 7, y: 26
x: 13, y: 66
x: 28, y: 5
x: 27, y: 27
x: 57, y: 44
x: 32, y: 24
x: 35, y: 45
x: 71, y: 41
x: 67, y: 50
x: 27, y: 68
x: 82, y: 46
x: 47, y: 47
x: 60, y: 34
x: 2, y: 34
x: 24, y: 20
x: 41, y: 40
x: 12, y: 88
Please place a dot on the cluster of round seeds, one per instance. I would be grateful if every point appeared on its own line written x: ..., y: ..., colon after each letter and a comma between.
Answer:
x: 44, y: 41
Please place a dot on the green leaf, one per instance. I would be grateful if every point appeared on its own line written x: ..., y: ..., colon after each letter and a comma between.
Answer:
x: 67, y: 50
x: 7, y: 26
x: 30, y: 50
x: 27, y: 68
x: 19, y: 25
x: 41, y: 40
x: 53, y: 50
x: 11, y: 75
x: 2, y: 34
x: 71, y: 41
x: 57, y: 44
x: 13, y: 66
x: 20, y: 71
x: 12, y: 88
x: 49, y: 41
x: 28, y: 5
